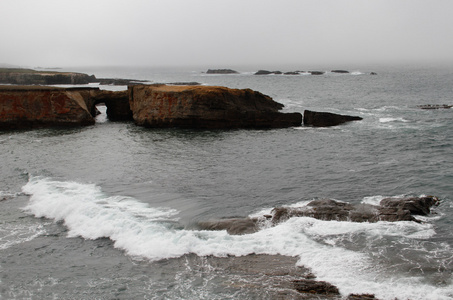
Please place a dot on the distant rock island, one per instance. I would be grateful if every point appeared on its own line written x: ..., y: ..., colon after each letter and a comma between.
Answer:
x: 221, y: 71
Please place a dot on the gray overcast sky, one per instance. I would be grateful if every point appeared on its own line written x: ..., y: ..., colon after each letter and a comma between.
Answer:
x: 223, y: 33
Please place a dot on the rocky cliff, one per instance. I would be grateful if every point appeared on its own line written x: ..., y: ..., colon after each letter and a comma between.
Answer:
x: 206, y: 107
x: 30, y: 107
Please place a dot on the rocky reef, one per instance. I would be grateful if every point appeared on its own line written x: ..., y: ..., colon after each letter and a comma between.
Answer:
x: 211, y: 107
x: 389, y: 209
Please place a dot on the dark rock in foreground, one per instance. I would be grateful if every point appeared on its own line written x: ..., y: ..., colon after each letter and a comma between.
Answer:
x: 325, y: 119
x: 390, y: 210
x: 210, y: 107
x: 221, y: 71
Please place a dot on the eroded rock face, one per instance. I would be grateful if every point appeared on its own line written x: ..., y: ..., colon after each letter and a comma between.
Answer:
x: 31, y: 107
x: 326, y: 119
x: 206, y: 107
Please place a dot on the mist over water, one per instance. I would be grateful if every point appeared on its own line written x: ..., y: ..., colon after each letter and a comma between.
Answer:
x: 112, y: 209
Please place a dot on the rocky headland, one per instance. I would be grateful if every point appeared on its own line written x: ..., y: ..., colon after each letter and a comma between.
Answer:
x: 206, y: 107
x: 160, y: 106
x: 29, y: 76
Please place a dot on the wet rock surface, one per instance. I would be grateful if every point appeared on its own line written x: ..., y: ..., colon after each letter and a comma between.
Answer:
x: 390, y: 210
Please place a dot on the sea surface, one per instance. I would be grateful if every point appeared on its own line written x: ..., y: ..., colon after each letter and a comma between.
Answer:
x: 110, y: 211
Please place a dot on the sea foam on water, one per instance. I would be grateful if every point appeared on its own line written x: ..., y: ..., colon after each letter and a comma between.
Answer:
x: 329, y: 248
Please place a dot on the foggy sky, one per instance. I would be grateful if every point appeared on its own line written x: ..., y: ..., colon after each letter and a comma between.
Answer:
x: 223, y: 33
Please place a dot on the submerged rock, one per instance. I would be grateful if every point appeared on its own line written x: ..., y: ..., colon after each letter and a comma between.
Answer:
x: 340, y: 71
x: 206, y: 107
x: 325, y: 119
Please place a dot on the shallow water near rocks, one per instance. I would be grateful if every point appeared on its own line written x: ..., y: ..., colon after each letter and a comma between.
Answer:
x: 110, y: 211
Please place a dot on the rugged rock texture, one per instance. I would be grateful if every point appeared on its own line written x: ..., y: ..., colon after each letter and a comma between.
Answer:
x: 390, y: 210
x: 206, y: 107
x: 28, y: 76
x: 325, y: 119
x: 30, y: 107
x: 221, y: 71
x: 315, y: 287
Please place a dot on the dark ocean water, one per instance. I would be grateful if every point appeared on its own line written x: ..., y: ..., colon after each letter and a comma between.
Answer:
x: 110, y: 211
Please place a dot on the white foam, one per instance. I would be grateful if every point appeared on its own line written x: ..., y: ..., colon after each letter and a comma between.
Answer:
x: 146, y: 232
x: 14, y: 234
x: 389, y: 119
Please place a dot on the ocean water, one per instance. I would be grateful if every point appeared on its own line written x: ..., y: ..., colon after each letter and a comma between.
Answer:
x: 110, y: 211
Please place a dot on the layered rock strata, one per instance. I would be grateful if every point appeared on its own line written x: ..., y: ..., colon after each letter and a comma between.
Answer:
x: 206, y: 107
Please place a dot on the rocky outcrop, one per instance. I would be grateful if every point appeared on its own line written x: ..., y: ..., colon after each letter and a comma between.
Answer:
x: 340, y: 71
x: 30, y: 107
x: 389, y: 209
x: 315, y: 287
x: 28, y: 76
x: 221, y: 71
x: 316, y: 72
x: 206, y: 107
x: 325, y: 119
x: 265, y: 72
